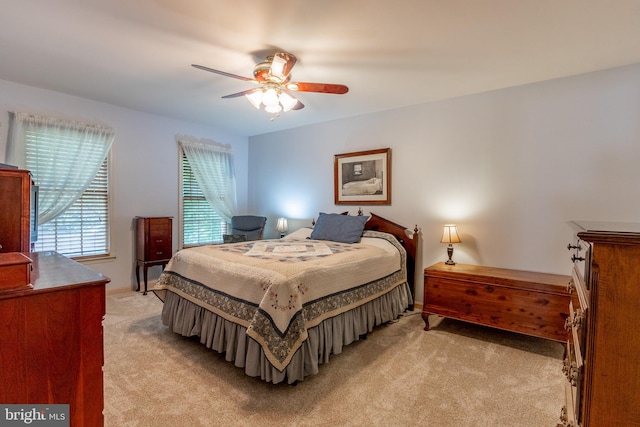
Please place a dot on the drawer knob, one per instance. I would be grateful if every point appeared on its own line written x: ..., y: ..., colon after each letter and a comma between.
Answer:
x: 578, y: 318
x: 570, y: 371
x: 564, y: 418
x: 570, y: 246
x: 575, y: 258
x: 570, y: 287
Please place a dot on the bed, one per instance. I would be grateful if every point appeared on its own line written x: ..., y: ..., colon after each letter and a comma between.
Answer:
x: 359, y: 188
x: 279, y: 308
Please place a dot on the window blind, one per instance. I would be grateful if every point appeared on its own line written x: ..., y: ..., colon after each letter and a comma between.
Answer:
x: 83, y: 229
x: 201, y: 224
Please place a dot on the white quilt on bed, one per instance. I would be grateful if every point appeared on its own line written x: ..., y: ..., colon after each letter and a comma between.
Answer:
x: 279, y: 288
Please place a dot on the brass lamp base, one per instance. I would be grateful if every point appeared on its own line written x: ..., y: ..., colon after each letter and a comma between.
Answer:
x: 450, y: 254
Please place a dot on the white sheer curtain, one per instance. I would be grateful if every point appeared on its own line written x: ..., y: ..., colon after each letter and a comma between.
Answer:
x: 212, y: 166
x: 62, y: 155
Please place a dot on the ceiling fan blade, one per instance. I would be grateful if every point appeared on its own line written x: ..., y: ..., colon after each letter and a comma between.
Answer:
x: 244, y: 92
x: 298, y: 106
x: 223, y: 73
x: 282, y: 64
x: 318, y: 87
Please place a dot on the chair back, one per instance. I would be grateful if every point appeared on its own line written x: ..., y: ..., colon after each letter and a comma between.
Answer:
x: 251, y: 225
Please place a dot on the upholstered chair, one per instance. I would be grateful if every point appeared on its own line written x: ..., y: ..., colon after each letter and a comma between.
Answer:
x: 250, y: 225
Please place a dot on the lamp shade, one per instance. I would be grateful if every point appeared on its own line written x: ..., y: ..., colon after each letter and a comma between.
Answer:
x: 255, y: 98
x: 287, y: 101
x: 270, y: 98
x: 450, y: 234
x: 282, y: 225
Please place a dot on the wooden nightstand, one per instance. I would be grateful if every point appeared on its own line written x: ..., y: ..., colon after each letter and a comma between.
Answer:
x: 153, y: 244
x: 519, y: 301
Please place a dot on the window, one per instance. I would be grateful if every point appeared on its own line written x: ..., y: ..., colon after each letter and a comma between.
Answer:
x: 201, y: 225
x: 69, y: 162
x: 207, y: 190
x: 83, y: 229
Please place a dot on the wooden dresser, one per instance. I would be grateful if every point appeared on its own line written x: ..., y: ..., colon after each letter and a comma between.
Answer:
x: 519, y: 301
x: 51, y: 339
x: 602, y: 360
x: 153, y: 244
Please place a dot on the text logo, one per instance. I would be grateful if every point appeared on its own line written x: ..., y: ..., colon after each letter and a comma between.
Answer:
x: 34, y: 415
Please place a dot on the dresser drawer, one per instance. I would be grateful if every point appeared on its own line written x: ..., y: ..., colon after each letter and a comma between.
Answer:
x: 573, y: 371
x: 159, y: 248
x: 578, y: 314
x: 578, y: 287
x: 576, y: 321
x: 581, y: 258
x: 159, y: 227
x: 570, y: 367
x: 568, y: 416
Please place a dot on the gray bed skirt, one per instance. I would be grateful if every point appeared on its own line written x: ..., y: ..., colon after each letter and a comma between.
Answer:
x: 188, y: 319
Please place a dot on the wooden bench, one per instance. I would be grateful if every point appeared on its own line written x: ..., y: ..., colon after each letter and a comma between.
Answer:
x: 519, y: 301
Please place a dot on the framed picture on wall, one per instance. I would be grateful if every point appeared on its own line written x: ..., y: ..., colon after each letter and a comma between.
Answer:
x: 363, y: 177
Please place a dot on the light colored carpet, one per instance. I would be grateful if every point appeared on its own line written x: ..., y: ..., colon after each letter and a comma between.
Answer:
x: 457, y: 374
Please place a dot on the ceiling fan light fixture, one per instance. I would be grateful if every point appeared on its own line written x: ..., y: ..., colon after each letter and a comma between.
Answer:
x: 277, y: 68
x: 261, y: 70
x: 273, y: 109
x: 287, y: 101
x: 270, y: 97
x: 273, y: 77
x: 255, y: 98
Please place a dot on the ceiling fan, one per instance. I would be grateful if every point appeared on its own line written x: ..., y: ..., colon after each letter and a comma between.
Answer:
x: 274, y: 91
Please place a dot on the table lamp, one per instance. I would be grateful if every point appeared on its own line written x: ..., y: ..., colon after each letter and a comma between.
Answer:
x: 282, y: 226
x: 450, y: 235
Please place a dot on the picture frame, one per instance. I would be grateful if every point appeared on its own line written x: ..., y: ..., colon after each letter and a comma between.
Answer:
x: 363, y: 177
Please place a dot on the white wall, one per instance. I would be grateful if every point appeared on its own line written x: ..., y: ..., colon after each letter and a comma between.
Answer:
x: 511, y: 167
x: 144, y: 165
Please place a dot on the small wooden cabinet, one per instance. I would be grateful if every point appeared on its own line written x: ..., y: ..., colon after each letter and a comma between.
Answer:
x: 153, y: 244
x: 51, y: 339
x: 602, y: 357
x: 15, y: 211
x: 519, y: 301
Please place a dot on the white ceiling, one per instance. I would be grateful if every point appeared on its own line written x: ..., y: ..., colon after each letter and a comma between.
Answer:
x: 137, y: 53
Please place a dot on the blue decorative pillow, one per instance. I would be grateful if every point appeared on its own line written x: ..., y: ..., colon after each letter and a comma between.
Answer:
x: 338, y: 228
